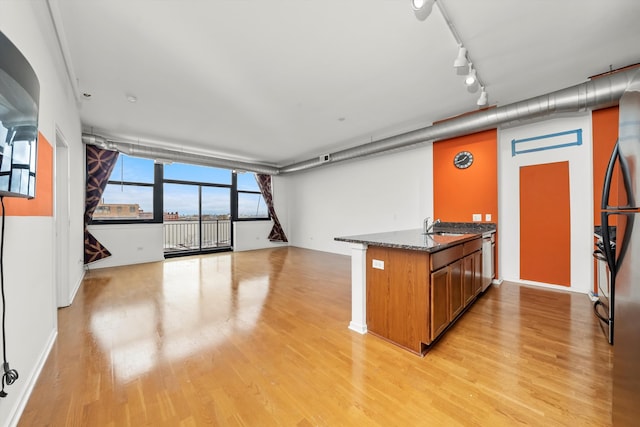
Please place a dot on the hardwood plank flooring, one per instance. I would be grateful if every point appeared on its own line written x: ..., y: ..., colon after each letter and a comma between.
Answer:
x: 260, y: 338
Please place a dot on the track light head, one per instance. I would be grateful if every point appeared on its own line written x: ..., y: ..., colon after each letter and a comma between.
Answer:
x: 422, y: 8
x: 483, y: 99
x: 471, y: 78
x: 461, y: 62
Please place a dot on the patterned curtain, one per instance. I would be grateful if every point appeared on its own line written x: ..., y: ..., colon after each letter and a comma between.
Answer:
x: 100, y: 164
x: 277, y: 233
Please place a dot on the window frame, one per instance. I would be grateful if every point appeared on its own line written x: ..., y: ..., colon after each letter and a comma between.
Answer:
x: 157, y: 200
x: 236, y: 200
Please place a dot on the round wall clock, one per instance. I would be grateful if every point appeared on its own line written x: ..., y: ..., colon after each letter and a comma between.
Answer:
x: 463, y: 160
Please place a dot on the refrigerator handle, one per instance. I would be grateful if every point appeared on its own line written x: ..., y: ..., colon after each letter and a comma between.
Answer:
x: 609, y: 255
x: 606, y: 188
x: 626, y: 180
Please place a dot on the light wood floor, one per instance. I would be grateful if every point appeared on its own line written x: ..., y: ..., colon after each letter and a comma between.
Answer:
x: 260, y: 339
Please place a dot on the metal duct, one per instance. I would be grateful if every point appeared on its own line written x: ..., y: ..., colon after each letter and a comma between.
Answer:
x: 168, y: 155
x: 602, y: 92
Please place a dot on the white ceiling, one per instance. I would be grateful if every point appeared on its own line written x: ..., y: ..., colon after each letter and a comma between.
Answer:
x: 279, y: 81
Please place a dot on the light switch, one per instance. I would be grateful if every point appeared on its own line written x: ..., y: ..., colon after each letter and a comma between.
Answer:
x: 378, y: 264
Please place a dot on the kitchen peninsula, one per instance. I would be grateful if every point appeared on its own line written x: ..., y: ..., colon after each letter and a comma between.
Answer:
x: 408, y: 287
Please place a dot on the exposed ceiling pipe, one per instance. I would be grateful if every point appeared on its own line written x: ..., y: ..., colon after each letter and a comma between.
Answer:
x: 601, y: 92
x: 166, y: 155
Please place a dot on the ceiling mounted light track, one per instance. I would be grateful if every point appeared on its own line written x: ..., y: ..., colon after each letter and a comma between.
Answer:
x: 422, y: 8
x: 462, y: 62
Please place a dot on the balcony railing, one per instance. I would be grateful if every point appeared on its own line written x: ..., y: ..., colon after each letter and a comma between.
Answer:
x: 185, y: 235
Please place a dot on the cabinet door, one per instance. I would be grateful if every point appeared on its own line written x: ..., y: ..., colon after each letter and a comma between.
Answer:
x: 439, y: 307
x: 477, y: 272
x: 468, y: 286
x: 397, y: 296
x: 456, y: 300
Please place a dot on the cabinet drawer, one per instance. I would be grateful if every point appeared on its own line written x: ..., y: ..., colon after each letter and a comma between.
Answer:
x: 472, y: 246
x: 446, y: 256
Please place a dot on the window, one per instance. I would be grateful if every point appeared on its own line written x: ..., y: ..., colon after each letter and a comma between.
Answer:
x: 193, y: 173
x: 131, y: 194
x: 137, y: 191
x: 251, y: 204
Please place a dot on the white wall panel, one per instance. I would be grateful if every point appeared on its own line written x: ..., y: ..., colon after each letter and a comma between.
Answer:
x: 129, y: 243
x: 29, y: 255
x: 385, y: 193
x: 581, y: 193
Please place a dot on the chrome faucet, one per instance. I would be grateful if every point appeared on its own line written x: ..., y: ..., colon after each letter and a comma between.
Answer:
x: 428, y: 227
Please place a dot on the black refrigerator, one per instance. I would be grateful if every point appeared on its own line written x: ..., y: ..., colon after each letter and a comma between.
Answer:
x: 623, y: 258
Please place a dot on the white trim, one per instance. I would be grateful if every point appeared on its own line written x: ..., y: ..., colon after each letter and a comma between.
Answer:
x: 56, y: 20
x: 531, y: 283
x: 358, y: 288
x: 76, y: 288
x: 31, y: 381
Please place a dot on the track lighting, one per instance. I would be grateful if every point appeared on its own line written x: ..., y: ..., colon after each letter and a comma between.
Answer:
x: 422, y: 8
x: 471, y: 78
x: 471, y: 81
x: 484, y: 98
x: 461, y: 63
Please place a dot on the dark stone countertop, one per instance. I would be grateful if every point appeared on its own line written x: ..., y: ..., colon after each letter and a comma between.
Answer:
x: 416, y: 240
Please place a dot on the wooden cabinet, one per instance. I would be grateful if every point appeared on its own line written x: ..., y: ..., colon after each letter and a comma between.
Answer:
x: 413, y: 296
x: 456, y: 300
x: 446, y: 297
x: 468, y: 285
x: 398, y: 296
x: 439, y: 303
x: 477, y: 272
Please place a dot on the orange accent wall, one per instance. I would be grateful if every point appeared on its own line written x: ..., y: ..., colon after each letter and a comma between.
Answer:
x: 545, y: 223
x: 42, y: 203
x: 604, y: 128
x: 604, y: 124
x: 459, y: 193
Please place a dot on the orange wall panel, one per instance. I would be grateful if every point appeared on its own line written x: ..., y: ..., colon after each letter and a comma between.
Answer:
x: 604, y: 125
x: 459, y: 193
x: 42, y: 203
x: 545, y: 223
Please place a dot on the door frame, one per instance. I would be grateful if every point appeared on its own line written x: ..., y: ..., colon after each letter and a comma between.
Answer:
x: 62, y: 221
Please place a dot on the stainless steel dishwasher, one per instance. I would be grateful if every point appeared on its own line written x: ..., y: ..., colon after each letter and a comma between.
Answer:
x: 488, y: 251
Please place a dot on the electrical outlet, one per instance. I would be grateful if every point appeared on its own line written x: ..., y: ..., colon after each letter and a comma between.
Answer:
x: 487, y: 217
x: 378, y: 264
x: 477, y: 217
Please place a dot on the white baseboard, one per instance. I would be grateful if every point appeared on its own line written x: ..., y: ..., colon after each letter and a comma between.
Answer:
x: 361, y: 329
x: 14, y: 417
x: 76, y: 288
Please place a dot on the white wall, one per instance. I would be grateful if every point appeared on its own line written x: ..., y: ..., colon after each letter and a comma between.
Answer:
x: 581, y: 194
x: 28, y: 253
x: 140, y: 243
x: 250, y: 235
x: 129, y: 243
x: 382, y: 193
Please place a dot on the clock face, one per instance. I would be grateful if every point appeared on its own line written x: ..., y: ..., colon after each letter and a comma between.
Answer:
x: 463, y: 160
